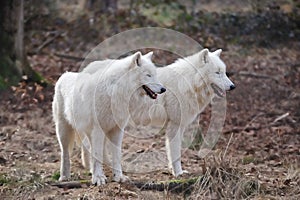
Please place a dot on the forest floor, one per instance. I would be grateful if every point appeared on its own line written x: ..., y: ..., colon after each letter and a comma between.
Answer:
x: 256, y: 157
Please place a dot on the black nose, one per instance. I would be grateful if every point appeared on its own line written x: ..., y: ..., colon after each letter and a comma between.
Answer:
x: 162, y: 90
x: 232, y: 87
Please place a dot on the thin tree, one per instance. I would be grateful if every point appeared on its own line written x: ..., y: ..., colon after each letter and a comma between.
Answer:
x: 13, y: 60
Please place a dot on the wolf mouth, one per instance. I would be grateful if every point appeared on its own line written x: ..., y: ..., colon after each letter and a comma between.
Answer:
x: 149, y: 92
x: 220, y: 92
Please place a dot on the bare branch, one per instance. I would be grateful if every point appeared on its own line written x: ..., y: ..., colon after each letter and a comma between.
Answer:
x: 253, y: 75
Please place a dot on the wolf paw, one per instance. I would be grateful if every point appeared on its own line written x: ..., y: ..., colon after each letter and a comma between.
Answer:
x: 99, y: 180
x: 121, y: 179
x: 181, y: 173
x: 64, y: 178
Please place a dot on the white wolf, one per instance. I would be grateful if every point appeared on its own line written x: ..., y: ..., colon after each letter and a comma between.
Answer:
x: 82, y: 104
x: 191, y: 84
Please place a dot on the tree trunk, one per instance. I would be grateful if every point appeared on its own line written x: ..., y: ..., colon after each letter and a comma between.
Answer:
x: 13, y: 60
x: 110, y: 6
x: 103, y: 5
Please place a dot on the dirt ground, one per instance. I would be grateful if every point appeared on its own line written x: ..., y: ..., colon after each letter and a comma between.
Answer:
x: 256, y: 157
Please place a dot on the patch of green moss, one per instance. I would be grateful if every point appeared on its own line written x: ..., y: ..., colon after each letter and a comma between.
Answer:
x: 55, y: 176
x: 9, y: 75
x: 248, y: 159
x: 164, y: 14
x: 4, y: 180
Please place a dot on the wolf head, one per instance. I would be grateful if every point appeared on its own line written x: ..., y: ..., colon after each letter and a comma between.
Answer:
x: 216, y: 72
x: 146, y: 72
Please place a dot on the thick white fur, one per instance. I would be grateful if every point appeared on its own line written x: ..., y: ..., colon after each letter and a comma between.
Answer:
x: 189, y: 91
x: 86, y: 104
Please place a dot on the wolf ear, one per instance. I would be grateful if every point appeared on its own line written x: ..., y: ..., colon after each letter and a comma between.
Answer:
x: 149, y: 55
x: 204, y: 55
x: 136, y: 59
x: 218, y: 52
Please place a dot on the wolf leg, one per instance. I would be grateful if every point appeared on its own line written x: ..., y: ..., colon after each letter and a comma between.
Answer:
x: 115, y: 137
x: 106, y: 149
x: 97, y: 141
x: 173, y: 146
x: 65, y: 135
x: 86, y: 153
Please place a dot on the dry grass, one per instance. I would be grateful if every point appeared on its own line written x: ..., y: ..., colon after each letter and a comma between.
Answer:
x: 223, y: 180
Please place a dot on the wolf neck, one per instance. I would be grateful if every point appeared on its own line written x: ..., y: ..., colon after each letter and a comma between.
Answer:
x: 127, y: 82
x: 188, y: 65
x: 191, y: 69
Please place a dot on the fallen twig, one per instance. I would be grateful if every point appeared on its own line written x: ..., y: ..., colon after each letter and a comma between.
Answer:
x: 47, y: 42
x: 280, y: 117
x: 240, y: 129
x: 253, y: 119
x: 76, y: 58
x: 71, y: 184
x: 250, y: 128
x: 253, y: 75
x: 172, y: 185
x: 79, y: 59
x: 256, y: 75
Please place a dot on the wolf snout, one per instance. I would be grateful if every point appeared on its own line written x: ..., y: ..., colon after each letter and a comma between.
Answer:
x: 162, y: 90
x: 232, y: 87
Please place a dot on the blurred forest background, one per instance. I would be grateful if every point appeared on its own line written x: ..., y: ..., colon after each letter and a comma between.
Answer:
x: 258, y: 154
x: 34, y: 27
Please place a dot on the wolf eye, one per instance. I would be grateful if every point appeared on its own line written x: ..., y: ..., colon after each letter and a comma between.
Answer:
x: 218, y: 72
x: 149, y: 75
